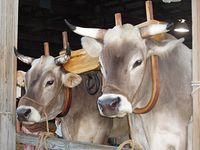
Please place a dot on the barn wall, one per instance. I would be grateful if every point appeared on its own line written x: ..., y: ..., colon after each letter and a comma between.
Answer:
x: 196, y: 72
x: 8, y: 40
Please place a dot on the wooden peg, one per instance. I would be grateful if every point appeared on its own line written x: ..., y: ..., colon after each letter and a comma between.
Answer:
x: 118, y: 19
x: 65, y: 40
x: 149, y: 10
x: 46, y: 48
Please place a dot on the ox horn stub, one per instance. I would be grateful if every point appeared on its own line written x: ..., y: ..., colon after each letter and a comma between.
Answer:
x: 24, y: 59
x: 95, y: 33
x: 62, y: 59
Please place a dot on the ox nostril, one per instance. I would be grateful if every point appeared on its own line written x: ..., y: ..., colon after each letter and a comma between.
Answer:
x: 115, y: 102
x: 27, y: 112
x: 100, y: 105
x: 23, y: 114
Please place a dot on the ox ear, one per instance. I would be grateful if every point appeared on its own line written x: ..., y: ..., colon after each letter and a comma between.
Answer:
x: 71, y: 80
x: 21, y: 78
x: 162, y: 49
x: 91, y: 46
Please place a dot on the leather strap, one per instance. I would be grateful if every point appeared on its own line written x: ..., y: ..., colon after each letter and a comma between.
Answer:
x: 155, y: 88
x: 67, y: 103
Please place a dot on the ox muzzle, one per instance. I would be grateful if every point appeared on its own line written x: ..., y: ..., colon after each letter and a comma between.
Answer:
x: 28, y: 114
x: 114, y: 105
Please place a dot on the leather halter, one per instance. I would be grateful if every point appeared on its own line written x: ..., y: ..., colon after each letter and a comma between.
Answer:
x: 67, y: 103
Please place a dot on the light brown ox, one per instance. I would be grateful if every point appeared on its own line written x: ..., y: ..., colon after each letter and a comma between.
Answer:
x: 124, y: 53
x: 45, y: 84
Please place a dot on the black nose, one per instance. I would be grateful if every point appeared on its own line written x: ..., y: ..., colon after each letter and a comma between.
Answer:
x: 109, y: 105
x: 23, y: 114
x: 115, y: 102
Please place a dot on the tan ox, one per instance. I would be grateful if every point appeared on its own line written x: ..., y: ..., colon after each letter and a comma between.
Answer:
x: 45, y: 84
x: 124, y: 53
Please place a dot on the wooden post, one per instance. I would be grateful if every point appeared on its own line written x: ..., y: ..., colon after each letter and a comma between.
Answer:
x: 8, y: 40
x: 46, y: 48
x: 65, y: 40
x: 196, y: 71
x: 118, y: 19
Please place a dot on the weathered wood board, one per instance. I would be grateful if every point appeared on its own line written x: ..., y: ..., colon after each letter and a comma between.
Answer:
x: 8, y: 40
x: 61, y: 144
x: 196, y: 72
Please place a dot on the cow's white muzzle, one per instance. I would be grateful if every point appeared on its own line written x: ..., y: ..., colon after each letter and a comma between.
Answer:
x: 114, y: 105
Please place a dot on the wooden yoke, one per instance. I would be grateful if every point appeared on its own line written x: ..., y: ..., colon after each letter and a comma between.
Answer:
x: 154, y: 69
x: 81, y: 62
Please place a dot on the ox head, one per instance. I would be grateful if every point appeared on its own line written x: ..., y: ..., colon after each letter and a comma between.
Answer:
x: 123, y: 53
x: 45, y: 83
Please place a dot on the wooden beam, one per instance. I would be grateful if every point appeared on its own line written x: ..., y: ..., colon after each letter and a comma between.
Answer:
x: 196, y: 72
x: 61, y: 144
x: 8, y: 40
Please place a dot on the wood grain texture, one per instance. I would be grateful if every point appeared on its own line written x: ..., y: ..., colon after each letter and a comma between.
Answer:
x: 196, y: 72
x: 8, y: 40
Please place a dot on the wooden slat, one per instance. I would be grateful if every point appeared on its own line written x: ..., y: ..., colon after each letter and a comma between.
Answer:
x: 196, y: 72
x: 61, y: 144
x: 8, y: 40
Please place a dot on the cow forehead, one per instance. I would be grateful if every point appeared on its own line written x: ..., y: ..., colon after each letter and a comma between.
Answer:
x: 40, y: 66
x: 44, y: 62
x: 122, y: 42
x: 119, y: 34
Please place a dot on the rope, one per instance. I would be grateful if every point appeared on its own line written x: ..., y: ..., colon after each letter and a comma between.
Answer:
x: 134, y: 145
x: 45, y: 135
x: 195, y: 84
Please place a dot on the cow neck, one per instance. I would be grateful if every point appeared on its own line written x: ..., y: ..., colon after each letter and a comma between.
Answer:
x: 67, y: 102
x: 155, y: 88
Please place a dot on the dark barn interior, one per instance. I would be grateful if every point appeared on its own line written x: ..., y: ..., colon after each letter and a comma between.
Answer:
x: 43, y: 20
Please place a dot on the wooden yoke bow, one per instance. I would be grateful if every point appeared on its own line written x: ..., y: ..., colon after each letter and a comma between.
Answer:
x: 154, y: 68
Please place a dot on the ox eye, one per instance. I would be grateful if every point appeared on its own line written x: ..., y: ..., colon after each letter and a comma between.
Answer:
x: 137, y: 63
x: 50, y: 82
